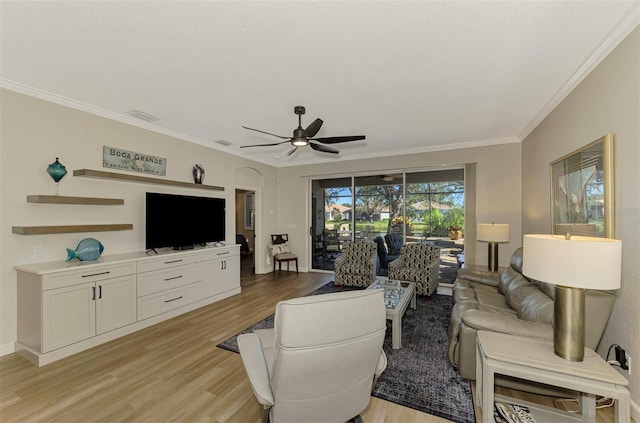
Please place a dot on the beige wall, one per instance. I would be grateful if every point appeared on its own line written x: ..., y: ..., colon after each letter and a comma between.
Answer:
x: 608, y: 100
x: 498, y: 187
x: 34, y: 132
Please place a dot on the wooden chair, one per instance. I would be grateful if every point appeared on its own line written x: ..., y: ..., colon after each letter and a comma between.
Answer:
x: 281, y: 252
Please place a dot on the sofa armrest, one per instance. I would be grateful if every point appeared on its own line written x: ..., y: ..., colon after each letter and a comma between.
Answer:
x: 481, y: 276
x: 485, y: 320
x: 256, y: 367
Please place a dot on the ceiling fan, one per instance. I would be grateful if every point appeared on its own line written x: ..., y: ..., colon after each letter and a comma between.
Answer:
x: 303, y: 137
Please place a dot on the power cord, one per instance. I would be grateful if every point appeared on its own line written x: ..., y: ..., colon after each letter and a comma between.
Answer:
x: 612, y: 362
x: 621, y: 359
x: 601, y: 402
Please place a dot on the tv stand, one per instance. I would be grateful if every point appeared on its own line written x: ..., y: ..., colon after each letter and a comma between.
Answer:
x: 184, y: 247
x: 65, y: 308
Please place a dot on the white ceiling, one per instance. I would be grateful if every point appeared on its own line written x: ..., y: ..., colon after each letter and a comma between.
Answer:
x: 411, y: 75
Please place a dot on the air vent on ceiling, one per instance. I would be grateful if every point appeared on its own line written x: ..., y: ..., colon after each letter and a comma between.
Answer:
x: 223, y: 142
x: 142, y: 115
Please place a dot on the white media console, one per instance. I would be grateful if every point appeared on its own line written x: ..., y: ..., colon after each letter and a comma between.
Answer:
x: 65, y: 308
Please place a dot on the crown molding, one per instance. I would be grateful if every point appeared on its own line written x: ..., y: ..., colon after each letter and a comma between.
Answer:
x: 622, y: 30
x: 88, y: 108
x: 405, y: 152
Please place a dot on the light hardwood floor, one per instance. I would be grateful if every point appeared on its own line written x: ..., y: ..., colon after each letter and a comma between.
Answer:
x: 173, y: 371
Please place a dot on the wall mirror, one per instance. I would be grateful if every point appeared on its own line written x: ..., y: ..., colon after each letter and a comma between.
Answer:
x: 582, y: 191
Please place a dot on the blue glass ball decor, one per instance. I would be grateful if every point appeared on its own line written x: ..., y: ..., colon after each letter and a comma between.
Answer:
x: 57, y: 170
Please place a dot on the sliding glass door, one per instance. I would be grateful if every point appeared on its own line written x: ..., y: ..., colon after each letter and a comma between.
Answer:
x: 417, y: 206
x: 378, y: 201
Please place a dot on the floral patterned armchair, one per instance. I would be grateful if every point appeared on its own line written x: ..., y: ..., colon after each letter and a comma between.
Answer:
x: 419, y: 263
x: 358, y: 264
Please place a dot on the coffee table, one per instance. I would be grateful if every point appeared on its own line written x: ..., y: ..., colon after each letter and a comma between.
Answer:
x: 397, y: 297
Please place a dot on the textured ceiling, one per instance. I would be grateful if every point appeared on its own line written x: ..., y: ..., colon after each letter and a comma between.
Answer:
x: 412, y: 76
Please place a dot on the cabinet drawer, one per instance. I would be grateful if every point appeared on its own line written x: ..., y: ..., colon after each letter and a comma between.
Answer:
x: 220, y: 253
x: 92, y: 274
x: 159, y: 303
x: 162, y: 280
x: 167, y: 262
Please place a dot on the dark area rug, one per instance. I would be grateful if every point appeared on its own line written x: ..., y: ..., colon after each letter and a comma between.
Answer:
x: 418, y: 375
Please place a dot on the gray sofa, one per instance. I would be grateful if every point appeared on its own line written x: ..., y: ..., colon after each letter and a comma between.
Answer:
x: 511, y: 303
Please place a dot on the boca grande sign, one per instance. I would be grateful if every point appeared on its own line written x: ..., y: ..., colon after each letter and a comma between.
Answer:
x: 117, y: 158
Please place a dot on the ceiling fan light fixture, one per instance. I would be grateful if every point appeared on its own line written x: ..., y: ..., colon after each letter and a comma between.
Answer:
x: 300, y: 142
x: 302, y: 137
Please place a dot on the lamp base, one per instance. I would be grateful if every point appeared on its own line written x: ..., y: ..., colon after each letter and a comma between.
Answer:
x: 568, y: 330
x: 492, y: 258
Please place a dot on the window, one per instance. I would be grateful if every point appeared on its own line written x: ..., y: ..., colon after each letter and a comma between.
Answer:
x: 248, y: 210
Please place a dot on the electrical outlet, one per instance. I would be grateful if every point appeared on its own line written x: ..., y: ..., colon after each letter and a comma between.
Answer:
x: 628, y: 357
x: 37, y: 251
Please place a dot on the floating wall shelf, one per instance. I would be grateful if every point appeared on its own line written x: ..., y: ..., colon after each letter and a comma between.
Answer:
x: 46, y: 230
x: 100, y: 174
x: 60, y: 199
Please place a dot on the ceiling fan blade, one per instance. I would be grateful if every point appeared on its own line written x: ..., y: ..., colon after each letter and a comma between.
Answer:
x: 293, y: 150
x: 268, y: 133
x: 322, y: 148
x: 336, y: 140
x: 313, y: 128
x: 263, y: 145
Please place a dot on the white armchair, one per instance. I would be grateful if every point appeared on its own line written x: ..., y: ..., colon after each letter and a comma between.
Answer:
x: 310, y: 367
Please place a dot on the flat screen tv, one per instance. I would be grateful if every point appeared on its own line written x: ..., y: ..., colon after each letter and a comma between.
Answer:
x: 182, y: 221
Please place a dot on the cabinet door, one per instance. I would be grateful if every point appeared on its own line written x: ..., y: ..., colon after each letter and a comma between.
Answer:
x: 69, y: 315
x: 115, y: 303
x: 231, y: 273
x: 211, y: 278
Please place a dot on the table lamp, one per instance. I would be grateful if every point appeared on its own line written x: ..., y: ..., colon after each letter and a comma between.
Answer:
x: 573, y: 264
x: 493, y: 234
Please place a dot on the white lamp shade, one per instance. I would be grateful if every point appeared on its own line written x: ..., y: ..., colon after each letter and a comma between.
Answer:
x: 493, y: 232
x: 580, y: 262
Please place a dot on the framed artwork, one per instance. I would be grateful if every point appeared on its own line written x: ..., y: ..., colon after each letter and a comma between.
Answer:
x: 582, y: 191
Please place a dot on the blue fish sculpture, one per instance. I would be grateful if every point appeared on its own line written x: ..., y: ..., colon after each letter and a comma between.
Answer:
x: 88, y: 249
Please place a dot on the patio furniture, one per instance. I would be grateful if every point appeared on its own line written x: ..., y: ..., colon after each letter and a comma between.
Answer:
x: 394, y: 243
x: 331, y: 243
x: 383, y: 256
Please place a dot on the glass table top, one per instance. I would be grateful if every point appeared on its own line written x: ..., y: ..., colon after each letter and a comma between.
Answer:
x: 393, y: 291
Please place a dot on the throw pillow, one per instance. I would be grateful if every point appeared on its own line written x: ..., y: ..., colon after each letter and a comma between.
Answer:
x: 279, y: 248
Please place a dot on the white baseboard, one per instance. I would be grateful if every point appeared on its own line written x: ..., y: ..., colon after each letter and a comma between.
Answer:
x: 6, y: 349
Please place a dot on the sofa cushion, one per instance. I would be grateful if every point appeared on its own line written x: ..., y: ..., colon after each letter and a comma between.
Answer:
x: 506, y: 278
x: 281, y: 248
x: 547, y: 288
x: 491, y: 298
x: 519, y: 289
x: 536, y: 307
x: 516, y: 260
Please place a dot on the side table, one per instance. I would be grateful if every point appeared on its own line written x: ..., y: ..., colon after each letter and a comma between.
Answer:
x: 534, y: 360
